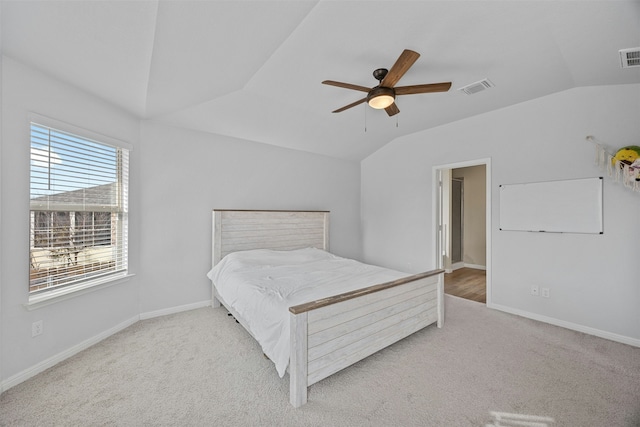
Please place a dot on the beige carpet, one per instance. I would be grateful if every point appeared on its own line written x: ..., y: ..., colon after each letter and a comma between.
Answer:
x: 200, y: 368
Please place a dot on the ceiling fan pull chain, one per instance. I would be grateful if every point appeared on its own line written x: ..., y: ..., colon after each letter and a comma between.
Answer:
x: 365, y: 119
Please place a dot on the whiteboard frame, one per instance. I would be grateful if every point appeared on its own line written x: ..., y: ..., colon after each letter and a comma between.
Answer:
x: 561, y: 206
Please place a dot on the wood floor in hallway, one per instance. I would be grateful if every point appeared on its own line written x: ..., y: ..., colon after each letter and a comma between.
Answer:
x: 468, y: 283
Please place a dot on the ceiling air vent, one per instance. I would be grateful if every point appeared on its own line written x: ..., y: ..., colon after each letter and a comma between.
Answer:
x: 476, y: 87
x: 630, y: 57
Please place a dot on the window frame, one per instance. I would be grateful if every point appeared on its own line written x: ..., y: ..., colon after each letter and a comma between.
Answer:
x: 48, y: 296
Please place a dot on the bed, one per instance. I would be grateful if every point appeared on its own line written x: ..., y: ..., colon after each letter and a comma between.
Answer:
x: 352, y: 310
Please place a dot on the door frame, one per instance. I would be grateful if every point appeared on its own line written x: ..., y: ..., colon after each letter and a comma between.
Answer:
x: 438, y: 232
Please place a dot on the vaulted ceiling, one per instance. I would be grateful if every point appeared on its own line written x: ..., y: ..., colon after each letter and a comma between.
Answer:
x: 253, y: 69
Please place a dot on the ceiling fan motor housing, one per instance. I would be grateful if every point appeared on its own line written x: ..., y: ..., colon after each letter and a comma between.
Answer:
x: 381, y: 97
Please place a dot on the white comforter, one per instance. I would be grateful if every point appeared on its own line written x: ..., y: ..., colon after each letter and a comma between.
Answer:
x: 261, y: 285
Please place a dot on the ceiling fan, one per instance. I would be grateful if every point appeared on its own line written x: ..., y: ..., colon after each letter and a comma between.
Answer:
x: 383, y: 95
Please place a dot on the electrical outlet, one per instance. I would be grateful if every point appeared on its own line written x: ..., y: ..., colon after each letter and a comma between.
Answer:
x: 545, y: 292
x: 36, y: 328
x: 535, y: 291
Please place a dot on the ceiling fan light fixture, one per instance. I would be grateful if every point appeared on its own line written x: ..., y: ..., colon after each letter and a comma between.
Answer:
x: 381, y: 97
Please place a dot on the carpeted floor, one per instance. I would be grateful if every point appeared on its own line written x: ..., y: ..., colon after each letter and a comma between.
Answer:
x: 200, y: 368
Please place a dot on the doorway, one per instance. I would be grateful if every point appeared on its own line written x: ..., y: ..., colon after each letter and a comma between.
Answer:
x: 462, y: 203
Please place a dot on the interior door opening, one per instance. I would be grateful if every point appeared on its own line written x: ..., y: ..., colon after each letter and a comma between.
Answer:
x: 463, y: 226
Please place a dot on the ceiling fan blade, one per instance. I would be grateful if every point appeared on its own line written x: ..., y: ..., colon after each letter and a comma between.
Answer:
x: 353, y: 104
x: 392, y: 109
x: 346, y: 85
x: 402, y: 65
x: 427, y: 88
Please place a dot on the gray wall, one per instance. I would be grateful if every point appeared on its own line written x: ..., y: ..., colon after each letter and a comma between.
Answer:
x: 1, y: 236
x: 186, y: 174
x: 71, y: 322
x: 176, y: 178
x: 592, y: 284
x: 384, y: 204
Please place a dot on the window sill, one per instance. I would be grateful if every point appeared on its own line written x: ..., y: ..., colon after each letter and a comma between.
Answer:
x: 40, y: 300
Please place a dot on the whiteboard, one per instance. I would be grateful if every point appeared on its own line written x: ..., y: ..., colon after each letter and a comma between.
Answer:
x: 568, y: 206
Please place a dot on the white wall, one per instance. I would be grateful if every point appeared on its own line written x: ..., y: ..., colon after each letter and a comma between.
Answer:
x: 592, y: 279
x: 71, y: 322
x: 1, y: 238
x: 177, y: 177
x: 186, y: 174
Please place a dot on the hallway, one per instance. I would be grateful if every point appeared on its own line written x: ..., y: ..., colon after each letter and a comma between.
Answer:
x: 468, y: 283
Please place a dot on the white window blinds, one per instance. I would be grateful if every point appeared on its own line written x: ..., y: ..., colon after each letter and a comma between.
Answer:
x: 78, y: 214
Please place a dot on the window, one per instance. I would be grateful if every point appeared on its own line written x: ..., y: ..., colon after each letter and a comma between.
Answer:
x: 78, y: 210
x: 53, y: 229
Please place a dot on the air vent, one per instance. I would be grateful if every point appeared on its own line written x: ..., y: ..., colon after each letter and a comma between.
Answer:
x: 630, y: 57
x: 476, y: 87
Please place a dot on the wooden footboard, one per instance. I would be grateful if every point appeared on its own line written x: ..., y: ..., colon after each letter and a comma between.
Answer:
x: 330, y: 334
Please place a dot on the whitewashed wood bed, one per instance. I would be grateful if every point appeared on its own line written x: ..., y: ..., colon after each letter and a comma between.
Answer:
x: 329, y: 334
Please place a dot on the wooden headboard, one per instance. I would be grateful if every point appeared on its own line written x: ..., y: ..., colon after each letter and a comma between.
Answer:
x: 241, y: 230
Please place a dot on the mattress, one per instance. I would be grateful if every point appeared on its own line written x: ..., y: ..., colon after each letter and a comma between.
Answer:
x: 261, y: 285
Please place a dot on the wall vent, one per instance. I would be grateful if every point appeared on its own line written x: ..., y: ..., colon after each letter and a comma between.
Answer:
x: 476, y: 87
x: 630, y: 57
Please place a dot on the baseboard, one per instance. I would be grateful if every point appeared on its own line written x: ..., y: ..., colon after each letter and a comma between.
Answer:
x: 54, y: 360
x: 569, y: 325
x: 459, y: 265
x: 173, y: 310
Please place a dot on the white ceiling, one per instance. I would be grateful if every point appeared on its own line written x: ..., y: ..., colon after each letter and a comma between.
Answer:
x: 252, y: 69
